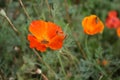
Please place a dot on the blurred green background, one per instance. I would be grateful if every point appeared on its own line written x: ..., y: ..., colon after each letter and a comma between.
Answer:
x: 73, y: 61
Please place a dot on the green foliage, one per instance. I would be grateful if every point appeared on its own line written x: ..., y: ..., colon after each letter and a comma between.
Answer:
x: 81, y: 56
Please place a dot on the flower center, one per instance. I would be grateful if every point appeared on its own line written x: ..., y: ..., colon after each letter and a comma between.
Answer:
x: 44, y: 42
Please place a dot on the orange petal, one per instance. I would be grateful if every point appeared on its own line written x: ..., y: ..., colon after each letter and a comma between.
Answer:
x: 38, y: 28
x: 118, y: 32
x: 112, y: 14
x: 35, y: 44
x: 84, y: 21
x: 57, y: 42
x: 52, y: 30
x: 112, y: 22
x: 56, y: 36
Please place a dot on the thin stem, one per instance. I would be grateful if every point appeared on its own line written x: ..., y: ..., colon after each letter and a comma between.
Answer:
x: 36, y: 11
x: 44, y: 77
x: 37, y: 54
x: 48, y: 8
x: 12, y: 25
x: 3, y: 13
x: 39, y: 57
x: 69, y: 54
x: 2, y: 75
x: 67, y: 13
x: 48, y: 5
x: 58, y: 55
x: 100, y: 77
x: 21, y: 3
x: 70, y: 57
x: 79, y: 46
x: 86, y: 47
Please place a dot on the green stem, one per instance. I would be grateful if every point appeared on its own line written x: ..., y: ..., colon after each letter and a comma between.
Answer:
x: 3, y: 13
x: 24, y: 9
x: 58, y: 55
x: 39, y: 57
x: 86, y: 48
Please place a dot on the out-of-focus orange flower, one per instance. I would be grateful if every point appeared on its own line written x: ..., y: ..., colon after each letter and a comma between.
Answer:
x: 45, y: 35
x: 112, y: 22
x: 104, y: 62
x: 112, y: 14
x: 92, y: 25
x: 118, y: 32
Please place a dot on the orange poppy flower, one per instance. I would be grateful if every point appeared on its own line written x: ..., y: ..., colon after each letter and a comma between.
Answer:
x: 45, y: 35
x: 112, y: 22
x: 92, y: 25
x: 118, y: 32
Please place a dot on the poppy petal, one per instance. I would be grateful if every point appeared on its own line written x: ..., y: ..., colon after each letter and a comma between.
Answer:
x: 38, y: 28
x: 112, y: 22
x: 112, y: 14
x: 85, y: 21
x: 52, y: 30
x: 35, y: 44
x: 118, y: 32
x: 56, y: 42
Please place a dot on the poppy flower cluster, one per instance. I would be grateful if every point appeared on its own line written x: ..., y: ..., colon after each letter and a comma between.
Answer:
x: 92, y: 25
x: 45, y: 35
x: 113, y: 21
